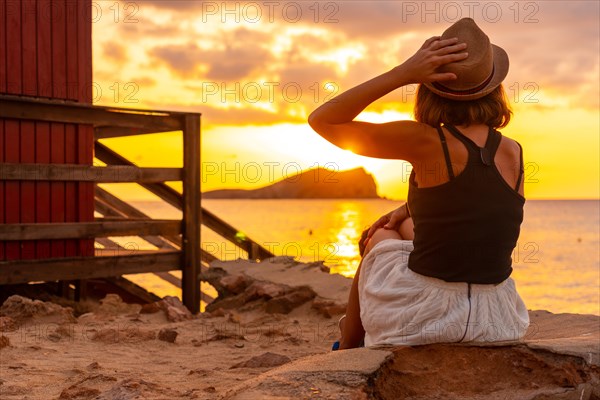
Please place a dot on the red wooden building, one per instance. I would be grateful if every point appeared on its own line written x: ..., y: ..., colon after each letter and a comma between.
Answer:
x: 49, y: 135
x: 45, y: 52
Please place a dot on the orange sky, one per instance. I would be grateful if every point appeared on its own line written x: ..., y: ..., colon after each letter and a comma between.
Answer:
x: 256, y: 70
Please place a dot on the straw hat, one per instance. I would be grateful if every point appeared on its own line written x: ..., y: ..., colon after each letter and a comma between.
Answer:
x: 480, y: 73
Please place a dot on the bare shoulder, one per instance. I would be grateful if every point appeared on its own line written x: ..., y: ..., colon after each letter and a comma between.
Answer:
x: 508, y: 160
x: 509, y: 146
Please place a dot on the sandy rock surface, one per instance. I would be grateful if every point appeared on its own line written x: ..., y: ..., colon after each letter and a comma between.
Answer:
x: 245, y: 349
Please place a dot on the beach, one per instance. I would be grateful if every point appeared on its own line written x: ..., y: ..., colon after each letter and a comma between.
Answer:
x: 184, y: 185
x: 268, y: 336
x: 117, y: 354
x: 117, y: 350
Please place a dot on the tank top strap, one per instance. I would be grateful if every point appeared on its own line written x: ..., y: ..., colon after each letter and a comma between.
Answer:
x: 446, y: 152
x: 485, y: 154
x: 488, y: 152
x: 521, y: 167
x: 472, y: 148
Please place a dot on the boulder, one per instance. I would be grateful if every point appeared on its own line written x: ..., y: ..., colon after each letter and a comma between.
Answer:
x: 273, y: 285
x: 559, y: 358
x: 266, y: 290
x: 285, y: 303
x: 174, y: 309
x: 21, y: 309
x: 150, y: 308
x: 235, y: 283
x: 490, y: 372
x: 438, y: 371
x: 112, y: 305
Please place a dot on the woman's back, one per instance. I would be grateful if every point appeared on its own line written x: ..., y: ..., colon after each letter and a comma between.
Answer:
x: 466, y: 224
x: 506, y: 160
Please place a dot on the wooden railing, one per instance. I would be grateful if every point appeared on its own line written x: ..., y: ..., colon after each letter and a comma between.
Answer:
x: 178, y: 241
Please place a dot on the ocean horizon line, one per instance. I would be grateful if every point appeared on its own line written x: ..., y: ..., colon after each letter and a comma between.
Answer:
x: 357, y: 198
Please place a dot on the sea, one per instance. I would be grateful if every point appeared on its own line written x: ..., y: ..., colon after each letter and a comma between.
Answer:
x: 556, y: 263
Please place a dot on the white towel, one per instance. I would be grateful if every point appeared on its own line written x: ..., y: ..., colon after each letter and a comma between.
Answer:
x: 401, y: 307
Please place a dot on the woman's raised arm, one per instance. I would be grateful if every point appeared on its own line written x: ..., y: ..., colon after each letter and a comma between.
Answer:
x: 334, y: 120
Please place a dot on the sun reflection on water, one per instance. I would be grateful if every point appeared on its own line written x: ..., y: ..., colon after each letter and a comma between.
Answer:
x: 348, y: 217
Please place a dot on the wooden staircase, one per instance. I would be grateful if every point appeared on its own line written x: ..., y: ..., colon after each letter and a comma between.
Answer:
x: 177, y: 242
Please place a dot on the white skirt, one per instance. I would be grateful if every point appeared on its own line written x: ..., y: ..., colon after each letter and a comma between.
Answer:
x: 401, y: 307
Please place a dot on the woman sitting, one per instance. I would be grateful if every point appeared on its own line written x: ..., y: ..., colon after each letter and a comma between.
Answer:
x: 441, y: 270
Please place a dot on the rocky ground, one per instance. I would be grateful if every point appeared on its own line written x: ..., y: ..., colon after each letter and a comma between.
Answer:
x: 268, y: 336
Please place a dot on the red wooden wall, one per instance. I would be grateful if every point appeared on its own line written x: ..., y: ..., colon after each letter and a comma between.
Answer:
x: 45, y: 51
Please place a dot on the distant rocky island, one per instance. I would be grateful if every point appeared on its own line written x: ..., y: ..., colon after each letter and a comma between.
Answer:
x: 318, y: 183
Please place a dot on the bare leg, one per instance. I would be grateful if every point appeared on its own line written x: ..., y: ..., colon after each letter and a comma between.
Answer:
x: 352, y: 330
x: 406, y: 229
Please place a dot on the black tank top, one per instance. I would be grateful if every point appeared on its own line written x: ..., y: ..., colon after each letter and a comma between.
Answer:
x: 467, y: 228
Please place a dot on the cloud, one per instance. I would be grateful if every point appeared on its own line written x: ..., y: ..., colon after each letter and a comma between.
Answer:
x: 144, y: 82
x: 176, y: 5
x: 307, y: 75
x: 115, y: 52
x: 182, y: 59
x: 236, y: 55
x: 241, y: 55
x: 553, y: 44
x: 148, y: 27
x: 342, y: 42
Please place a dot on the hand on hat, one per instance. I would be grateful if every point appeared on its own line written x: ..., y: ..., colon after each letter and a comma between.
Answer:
x: 422, y: 66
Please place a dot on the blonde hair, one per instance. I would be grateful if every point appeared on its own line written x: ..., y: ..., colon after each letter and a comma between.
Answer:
x: 492, y: 110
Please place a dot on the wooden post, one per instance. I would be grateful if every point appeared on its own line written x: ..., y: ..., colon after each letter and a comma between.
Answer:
x: 253, y: 251
x: 192, y: 213
x: 80, y: 289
